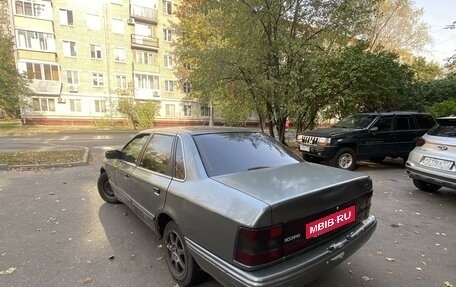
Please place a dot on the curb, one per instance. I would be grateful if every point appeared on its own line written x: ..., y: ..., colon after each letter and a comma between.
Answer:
x: 83, y: 162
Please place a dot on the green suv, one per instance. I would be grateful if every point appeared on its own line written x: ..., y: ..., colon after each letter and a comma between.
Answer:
x: 371, y: 136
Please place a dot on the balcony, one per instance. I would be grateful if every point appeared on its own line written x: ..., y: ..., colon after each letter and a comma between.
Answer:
x: 144, y: 42
x: 145, y: 14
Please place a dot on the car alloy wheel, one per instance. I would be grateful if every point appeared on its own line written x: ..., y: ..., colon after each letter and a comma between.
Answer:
x: 181, y: 264
x: 345, y: 158
x: 176, y: 253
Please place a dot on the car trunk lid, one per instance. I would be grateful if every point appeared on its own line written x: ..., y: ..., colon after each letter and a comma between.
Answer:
x: 299, y: 190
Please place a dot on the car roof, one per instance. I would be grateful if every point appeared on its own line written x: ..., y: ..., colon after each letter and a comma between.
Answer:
x: 198, y: 130
x: 393, y: 113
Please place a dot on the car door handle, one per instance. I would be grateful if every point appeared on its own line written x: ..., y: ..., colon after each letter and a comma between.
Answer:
x: 127, y: 175
x: 156, y: 190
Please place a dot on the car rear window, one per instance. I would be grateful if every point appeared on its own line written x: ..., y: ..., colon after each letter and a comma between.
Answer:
x: 425, y: 121
x: 225, y: 153
x: 445, y: 128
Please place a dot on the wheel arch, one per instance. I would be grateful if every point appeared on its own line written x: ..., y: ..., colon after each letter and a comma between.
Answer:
x: 160, y: 223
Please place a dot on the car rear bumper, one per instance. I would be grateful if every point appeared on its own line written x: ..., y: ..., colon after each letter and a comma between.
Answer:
x: 426, y: 176
x: 296, y: 271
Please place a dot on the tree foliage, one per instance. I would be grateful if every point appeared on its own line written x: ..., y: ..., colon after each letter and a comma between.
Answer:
x: 397, y: 26
x: 425, y: 71
x: 363, y: 81
x: 269, y: 49
x: 13, y: 86
x: 138, y: 113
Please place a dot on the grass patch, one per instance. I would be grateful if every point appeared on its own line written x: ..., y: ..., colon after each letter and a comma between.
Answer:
x: 41, y: 157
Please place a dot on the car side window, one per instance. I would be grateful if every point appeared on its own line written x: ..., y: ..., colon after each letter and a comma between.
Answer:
x: 133, y: 149
x: 157, y: 154
x: 425, y: 121
x: 384, y: 124
x: 179, y: 169
x: 403, y: 123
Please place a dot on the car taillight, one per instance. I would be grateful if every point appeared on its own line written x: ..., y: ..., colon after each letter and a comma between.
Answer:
x: 420, y: 142
x: 258, y: 246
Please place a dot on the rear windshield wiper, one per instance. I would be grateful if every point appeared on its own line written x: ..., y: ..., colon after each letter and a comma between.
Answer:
x: 258, y: 167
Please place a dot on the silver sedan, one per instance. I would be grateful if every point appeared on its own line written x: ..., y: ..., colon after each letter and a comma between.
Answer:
x: 238, y: 205
x: 432, y: 164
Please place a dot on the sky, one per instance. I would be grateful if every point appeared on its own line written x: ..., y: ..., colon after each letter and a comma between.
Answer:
x: 438, y: 14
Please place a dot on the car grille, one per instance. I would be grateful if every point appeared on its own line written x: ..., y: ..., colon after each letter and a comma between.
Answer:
x: 310, y: 140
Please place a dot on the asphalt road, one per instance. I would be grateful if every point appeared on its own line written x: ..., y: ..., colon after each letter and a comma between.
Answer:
x: 56, y: 231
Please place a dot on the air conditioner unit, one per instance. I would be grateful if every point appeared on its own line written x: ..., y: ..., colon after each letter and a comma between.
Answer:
x: 73, y: 88
x: 60, y: 100
x: 131, y: 21
x: 155, y: 94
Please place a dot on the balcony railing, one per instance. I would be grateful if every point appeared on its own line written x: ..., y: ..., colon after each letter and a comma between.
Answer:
x: 144, y: 13
x: 144, y: 42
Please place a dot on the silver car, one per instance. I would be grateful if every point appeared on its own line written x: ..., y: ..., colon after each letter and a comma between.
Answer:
x: 431, y: 164
x: 238, y: 205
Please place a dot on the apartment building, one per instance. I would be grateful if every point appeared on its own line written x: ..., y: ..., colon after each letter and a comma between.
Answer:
x: 83, y: 56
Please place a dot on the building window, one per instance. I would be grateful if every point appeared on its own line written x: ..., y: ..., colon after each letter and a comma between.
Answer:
x: 95, y: 51
x: 187, y: 87
x: 69, y: 49
x: 33, y: 9
x: 170, y: 110
x: 168, y: 61
x: 93, y: 22
x: 97, y: 79
x: 72, y: 77
x: 120, y: 55
x: 205, y: 111
x: 121, y: 81
x: 100, y: 106
x: 40, y: 71
x: 43, y: 105
x: 35, y: 40
x: 167, y: 34
x: 167, y: 7
x: 143, y: 57
x: 75, y: 106
x: 187, y: 110
x: 169, y: 86
x: 118, y: 26
x: 66, y: 17
x: 146, y: 81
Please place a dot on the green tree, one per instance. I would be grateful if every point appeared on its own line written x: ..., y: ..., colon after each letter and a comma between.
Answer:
x: 397, y: 26
x: 445, y: 108
x: 425, y: 71
x: 268, y: 49
x: 138, y: 113
x: 359, y: 80
x: 13, y: 86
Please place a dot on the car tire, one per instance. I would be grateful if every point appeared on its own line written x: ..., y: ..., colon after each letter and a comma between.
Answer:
x: 105, y: 190
x: 377, y: 159
x: 181, y: 265
x: 426, y: 186
x: 345, y: 158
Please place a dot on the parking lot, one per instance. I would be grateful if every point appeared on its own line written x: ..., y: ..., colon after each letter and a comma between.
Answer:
x: 56, y: 231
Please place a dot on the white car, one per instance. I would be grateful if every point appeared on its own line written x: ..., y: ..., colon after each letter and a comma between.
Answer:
x: 432, y: 164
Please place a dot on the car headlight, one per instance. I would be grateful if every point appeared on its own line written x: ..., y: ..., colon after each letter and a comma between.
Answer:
x: 324, y: 141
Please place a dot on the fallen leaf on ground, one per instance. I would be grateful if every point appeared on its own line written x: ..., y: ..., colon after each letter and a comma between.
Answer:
x: 379, y: 253
x: 349, y: 271
x: 448, y: 284
x: 367, y: 278
x: 111, y: 257
x: 8, y: 271
x: 389, y: 259
x: 424, y: 263
x: 87, y: 280
x: 418, y: 268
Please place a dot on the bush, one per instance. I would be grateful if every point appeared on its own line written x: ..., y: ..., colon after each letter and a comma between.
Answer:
x: 443, y: 109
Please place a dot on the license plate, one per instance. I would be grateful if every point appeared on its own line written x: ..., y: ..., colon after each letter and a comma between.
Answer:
x: 330, y: 222
x: 304, y: 147
x: 437, y: 163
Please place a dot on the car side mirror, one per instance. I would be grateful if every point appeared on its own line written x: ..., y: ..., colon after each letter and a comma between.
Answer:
x: 113, y: 154
x: 374, y: 129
